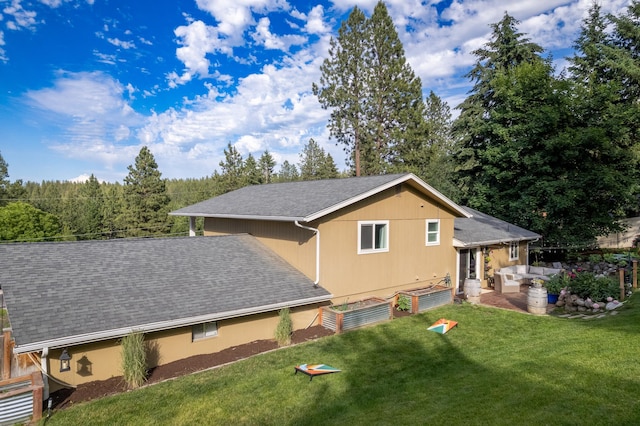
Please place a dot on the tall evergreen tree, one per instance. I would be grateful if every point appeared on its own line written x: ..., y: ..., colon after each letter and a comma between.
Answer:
x: 4, y: 181
x: 435, y: 163
x: 288, y: 172
x: 266, y: 164
x: 145, y: 197
x: 312, y: 159
x: 251, y: 171
x: 343, y: 86
x: 232, y: 169
x: 374, y: 95
x: 474, y: 128
x: 91, y: 209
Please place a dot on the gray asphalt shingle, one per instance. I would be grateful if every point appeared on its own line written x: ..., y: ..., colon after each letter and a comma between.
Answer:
x: 57, y: 290
x: 292, y: 200
x: 482, y: 228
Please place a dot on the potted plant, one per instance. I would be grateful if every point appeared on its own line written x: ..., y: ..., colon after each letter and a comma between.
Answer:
x: 554, y: 285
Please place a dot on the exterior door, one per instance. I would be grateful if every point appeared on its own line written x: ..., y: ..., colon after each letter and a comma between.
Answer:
x: 467, y: 267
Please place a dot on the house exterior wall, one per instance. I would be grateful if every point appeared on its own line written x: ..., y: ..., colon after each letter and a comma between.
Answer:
x: 500, y: 255
x: 102, y: 360
x: 408, y: 264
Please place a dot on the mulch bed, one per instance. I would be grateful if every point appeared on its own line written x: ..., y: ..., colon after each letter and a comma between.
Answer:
x: 101, y: 388
x: 98, y: 389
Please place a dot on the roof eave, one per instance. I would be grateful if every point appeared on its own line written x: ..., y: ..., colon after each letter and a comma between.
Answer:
x: 159, y: 326
x: 247, y: 217
x: 391, y: 184
x: 490, y: 242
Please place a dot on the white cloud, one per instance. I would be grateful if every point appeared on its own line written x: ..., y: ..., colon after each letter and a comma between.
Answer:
x: 91, y: 109
x: 197, y: 40
x: 120, y: 43
x: 315, y: 21
x: 263, y: 36
x: 19, y: 17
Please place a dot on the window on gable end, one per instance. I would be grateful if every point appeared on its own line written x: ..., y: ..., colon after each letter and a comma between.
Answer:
x: 433, y: 232
x: 373, y: 237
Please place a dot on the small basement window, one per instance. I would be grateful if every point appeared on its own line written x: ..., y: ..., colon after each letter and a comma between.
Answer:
x: 373, y: 236
x: 203, y: 331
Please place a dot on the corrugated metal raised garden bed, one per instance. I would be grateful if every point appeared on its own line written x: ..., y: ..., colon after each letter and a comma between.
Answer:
x: 426, y: 298
x: 356, y: 314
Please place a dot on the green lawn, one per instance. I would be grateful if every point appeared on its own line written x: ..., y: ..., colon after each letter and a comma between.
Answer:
x: 496, y: 367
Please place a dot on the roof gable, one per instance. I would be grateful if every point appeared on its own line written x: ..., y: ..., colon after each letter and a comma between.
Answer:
x: 82, y: 291
x: 305, y: 200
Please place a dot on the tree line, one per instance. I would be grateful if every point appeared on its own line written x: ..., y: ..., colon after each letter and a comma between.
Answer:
x: 139, y: 206
x: 553, y: 152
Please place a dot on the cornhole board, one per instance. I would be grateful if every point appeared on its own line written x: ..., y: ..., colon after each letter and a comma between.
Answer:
x: 312, y: 370
x: 442, y: 325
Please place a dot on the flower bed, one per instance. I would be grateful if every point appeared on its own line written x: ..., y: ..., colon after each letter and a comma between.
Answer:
x: 355, y: 314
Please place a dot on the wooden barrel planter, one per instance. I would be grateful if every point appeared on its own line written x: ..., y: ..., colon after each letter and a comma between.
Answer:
x: 356, y: 314
x: 423, y: 299
x: 537, y: 300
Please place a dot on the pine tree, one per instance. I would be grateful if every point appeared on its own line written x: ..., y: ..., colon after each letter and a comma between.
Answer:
x: 145, y: 197
x: 91, y: 209
x: 474, y: 128
x: 4, y: 181
x: 251, y: 171
x: 374, y: 96
x: 232, y: 169
x: 266, y: 164
x: 288, y: 172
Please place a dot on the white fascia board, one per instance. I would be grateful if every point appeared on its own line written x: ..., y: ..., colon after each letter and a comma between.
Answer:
x: 238, y: 216
x: 159, y: 326
x: 409, y: 176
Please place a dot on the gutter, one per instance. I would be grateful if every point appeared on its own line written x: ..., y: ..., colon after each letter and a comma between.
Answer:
x: 159, y: 326
x: 317, y: 233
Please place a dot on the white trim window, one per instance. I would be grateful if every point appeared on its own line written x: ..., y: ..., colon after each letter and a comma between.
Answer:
x: 373, y: 236
x: 204, y: 330
x: 433, y: 232
x: 514, y: 250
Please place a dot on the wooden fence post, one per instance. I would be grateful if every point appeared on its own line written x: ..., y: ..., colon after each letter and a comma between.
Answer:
x: 621, y: 270
x: 635, y: 274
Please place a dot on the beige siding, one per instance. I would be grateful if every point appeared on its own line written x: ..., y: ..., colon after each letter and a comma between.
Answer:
x: 408, y: 264
x: 500, y: 256
x: 296, y: 245
x: 102, y: 360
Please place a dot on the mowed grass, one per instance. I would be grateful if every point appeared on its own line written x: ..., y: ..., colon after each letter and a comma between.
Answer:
x: 496, y: 368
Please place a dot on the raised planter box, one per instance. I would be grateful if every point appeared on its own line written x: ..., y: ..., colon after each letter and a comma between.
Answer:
x: 423, y: 299
x: 356, y: 314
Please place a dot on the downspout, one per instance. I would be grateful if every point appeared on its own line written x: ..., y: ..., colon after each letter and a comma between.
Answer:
x: 45, y: 373
x: 317, y: 233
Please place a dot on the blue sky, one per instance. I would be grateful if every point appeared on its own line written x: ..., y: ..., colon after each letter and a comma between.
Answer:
x: 84, y: 84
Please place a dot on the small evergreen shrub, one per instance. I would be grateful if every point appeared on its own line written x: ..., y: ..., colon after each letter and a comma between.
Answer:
x: 284, y: 328
x: 134, y: 359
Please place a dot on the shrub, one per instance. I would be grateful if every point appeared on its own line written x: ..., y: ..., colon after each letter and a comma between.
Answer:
x: 586, y: 284
x: 556, y: 283
x: 404, y: 302
x: 595, y: 258
x: 284, y: 328
x: 134, y: 359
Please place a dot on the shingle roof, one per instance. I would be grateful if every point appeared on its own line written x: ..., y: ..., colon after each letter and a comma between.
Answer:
x: 72, y: 292
x: 482, y: 229
x: 303, y: 200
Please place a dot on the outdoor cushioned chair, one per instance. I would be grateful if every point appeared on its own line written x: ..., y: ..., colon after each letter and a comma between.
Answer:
x: 504, y: 283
